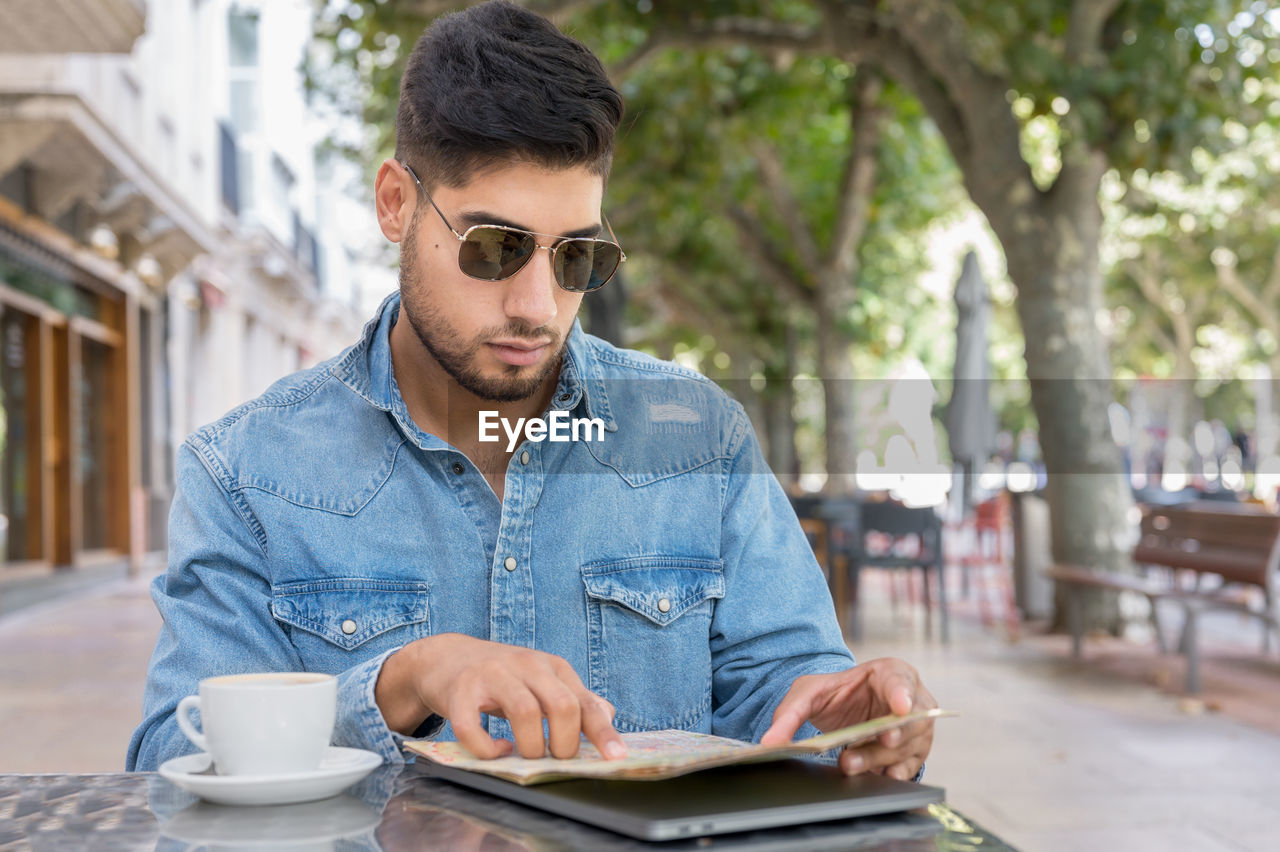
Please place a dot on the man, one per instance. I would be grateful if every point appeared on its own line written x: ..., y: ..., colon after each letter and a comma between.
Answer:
x: 515, y: 594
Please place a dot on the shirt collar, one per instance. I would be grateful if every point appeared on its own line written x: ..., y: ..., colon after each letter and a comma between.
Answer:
x: 366, y: 369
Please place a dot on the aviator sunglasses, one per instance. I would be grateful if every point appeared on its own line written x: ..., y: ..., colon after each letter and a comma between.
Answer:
x: 496, y: 252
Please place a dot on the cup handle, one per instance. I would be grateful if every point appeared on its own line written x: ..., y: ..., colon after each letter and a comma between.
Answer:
x: 183, y: 713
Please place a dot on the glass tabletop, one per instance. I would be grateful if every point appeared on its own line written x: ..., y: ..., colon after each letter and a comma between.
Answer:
x: 393, y: 809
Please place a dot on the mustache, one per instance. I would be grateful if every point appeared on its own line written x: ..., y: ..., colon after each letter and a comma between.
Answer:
x: 520, y: 330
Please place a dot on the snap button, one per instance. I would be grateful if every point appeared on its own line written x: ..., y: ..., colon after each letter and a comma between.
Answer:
x: 510, y: 563
x: 458, y: 468
x: 348, y: 627
x: 524, y: 457
x: 664, y: 605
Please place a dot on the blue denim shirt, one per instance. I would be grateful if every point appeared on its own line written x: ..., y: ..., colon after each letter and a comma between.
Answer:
x: 317, y: 528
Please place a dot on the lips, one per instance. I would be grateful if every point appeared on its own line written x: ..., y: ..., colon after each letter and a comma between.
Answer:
x: 518, y: 353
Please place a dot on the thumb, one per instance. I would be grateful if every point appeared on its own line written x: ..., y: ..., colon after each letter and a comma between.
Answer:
x: 792, y: 712
x: 900, y: 700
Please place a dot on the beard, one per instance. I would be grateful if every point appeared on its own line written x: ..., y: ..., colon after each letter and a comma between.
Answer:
x: 458, y: 356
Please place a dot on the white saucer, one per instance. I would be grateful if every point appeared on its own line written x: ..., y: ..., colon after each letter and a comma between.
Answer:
x: 340, y: 768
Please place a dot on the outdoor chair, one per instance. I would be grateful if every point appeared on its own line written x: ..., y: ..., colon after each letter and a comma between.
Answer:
x: 981, y: 548
x: 891, y: 536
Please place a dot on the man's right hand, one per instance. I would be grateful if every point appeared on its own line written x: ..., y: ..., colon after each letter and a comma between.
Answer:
x: 460, y: 677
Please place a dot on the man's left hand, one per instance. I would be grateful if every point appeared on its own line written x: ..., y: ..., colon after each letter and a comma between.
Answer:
x: 866, y: 691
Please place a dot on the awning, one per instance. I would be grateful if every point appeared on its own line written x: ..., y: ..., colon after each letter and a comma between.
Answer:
x: 72, y: 26
x: 74, y: 156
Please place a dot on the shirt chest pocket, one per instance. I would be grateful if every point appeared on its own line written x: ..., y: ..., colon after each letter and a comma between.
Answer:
x: 649, y: 634
x: 340, y: 622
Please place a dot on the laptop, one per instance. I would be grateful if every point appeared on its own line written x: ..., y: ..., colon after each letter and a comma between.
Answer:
x: 727, y: 799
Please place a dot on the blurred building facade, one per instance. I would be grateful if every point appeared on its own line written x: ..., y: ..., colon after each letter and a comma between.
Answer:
x: 163, y: 254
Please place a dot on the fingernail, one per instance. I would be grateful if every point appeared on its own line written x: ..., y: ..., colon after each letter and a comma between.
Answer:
x: 614, y: 750
x: 855, y: 763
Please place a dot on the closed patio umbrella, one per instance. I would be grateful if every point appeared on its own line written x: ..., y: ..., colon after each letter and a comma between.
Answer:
x: 970, y: 423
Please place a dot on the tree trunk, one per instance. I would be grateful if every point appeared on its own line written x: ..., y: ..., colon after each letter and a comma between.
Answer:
x: 1052, y: 254
x: 836, y: 369
x: 1182, y: 404
x: 780, y: 431
x: 779, y: 399
x: 836, y: 283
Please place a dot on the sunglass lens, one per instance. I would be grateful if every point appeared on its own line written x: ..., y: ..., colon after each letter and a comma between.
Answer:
x: 493, y: 254
x: 586, y: 265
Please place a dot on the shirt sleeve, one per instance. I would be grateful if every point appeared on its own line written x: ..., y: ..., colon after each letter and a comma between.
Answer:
x: 215, y: 599
x: 776, y: 621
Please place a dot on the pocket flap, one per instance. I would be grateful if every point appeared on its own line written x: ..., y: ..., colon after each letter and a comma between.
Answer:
x: 349, y: 612
x: 661, y: 588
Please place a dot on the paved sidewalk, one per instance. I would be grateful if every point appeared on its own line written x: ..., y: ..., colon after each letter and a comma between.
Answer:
x: 1049, y: 754
x: 71, y: 676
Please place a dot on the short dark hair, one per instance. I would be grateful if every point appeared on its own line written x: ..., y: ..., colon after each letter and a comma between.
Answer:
x: 496, y: 84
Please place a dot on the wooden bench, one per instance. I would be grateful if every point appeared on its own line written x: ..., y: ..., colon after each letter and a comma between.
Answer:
x: 1239, y: 544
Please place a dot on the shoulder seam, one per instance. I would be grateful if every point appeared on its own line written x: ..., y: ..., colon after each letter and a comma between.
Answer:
x: 657, y: 365
x: 275, y: 400
x: 218, y: 471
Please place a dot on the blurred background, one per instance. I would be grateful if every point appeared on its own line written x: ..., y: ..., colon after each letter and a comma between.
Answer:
x: 1012, y: 269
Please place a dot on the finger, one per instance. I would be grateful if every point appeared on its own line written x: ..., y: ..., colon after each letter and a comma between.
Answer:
x: 597, y: 724
x: 872, y: 757
x: 564, y: 672
x: 904, y: 771
x: 792, y: 711
x: 891, y: 739
x: 594, y: 715
x: 464, y: 716
x: 896, y: 737
x: 899, y: 689
x: 522, y: 709
x: 563, y: 712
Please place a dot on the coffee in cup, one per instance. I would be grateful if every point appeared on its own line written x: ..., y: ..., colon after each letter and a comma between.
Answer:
x: 273, y: 723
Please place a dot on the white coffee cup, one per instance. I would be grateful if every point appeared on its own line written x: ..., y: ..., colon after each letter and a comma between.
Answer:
x: 273, y: 723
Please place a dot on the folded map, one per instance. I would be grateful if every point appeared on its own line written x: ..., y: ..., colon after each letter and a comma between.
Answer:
x: 654, y: 755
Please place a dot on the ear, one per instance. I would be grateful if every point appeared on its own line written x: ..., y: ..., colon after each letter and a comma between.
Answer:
x: 395, y: 197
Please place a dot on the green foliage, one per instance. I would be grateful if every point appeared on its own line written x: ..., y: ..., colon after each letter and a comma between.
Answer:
x: 361, y: 48
x: 1188, y: 230
x: 1167, y: 75
x: 698, y: 119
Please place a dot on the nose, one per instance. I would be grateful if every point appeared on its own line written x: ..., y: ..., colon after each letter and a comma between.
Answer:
x: 531, y: 292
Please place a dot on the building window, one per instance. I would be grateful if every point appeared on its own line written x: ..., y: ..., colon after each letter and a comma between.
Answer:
x: 20, y: 521
x: 229, y: 163
x: 244, y: 105
x: 282, y: 181
x: 242, y: 39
